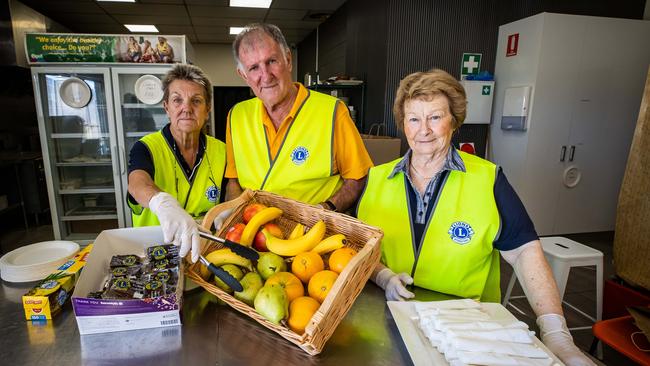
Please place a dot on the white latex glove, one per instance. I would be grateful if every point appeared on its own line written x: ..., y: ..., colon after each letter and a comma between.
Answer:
x: 218, y: 221
x: 177, y: 225
x: 394, y: 285
x: 556, y: 336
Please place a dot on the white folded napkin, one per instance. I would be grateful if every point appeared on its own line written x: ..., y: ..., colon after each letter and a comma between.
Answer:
x: 493, y: 359
x: 466, y: 334
x: 508, y: 348
x: 466, y: 313
x: 488, y: 325
x: 506, y: 335
x: 448, y: 304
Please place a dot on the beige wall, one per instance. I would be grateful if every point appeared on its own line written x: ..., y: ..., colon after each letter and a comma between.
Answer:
x: 217, y: 62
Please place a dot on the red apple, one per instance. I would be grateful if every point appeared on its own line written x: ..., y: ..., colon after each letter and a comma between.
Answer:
x: 259, y: 243
x: 251, y: 210
x: 234, y: 233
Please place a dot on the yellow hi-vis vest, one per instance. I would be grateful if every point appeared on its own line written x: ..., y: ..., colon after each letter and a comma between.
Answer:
x: 456, y: 254
x: 197, y: 196
x: 303, y: 166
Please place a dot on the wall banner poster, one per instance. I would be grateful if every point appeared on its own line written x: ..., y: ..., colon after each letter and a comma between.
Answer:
x: 96, y: 48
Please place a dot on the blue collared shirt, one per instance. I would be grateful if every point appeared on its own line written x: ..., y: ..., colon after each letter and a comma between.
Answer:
x: 453, y: 161
x: 516, y: 227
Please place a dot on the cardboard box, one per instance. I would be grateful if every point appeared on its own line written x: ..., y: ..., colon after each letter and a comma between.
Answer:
x: 46, y: 299
x: 382, y: 149
x: 102, y: 316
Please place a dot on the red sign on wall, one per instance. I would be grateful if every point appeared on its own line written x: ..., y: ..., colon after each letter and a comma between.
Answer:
x: 468, y: 147
x: 513, y: 45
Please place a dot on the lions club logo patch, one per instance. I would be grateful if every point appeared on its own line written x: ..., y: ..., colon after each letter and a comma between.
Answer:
x: 461, y: 232
x: 299, y: 155
x: 212, y: 193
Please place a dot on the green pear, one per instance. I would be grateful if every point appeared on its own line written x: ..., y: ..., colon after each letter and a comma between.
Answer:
x: 234, y: 271
x: 271, y: 302
x: 252, y: 283
x: 269, y: 264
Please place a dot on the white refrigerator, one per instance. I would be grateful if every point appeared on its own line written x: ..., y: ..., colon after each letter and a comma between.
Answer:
x: 568, y: 93
x: 89, y: 118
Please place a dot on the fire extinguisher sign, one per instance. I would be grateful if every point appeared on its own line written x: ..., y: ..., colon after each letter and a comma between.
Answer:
x: 513, y: 45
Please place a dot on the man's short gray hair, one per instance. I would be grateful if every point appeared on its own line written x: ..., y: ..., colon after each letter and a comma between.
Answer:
x: 188, y: 73
x: 255, y: 29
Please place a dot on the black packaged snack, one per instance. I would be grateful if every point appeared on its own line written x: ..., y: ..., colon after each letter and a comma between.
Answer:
x: 169, y: 277
x: 159, y: 252
x: 125, y: 260
x: 132, y: 271
x: 122, y: 288
x: 164, y: 264
x: 154, y: 288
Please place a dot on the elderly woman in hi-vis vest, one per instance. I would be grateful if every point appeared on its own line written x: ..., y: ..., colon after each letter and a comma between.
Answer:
x: 446, y: 215
x: 175, y: 174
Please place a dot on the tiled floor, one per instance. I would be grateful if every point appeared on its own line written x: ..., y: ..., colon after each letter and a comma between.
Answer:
x: 580, y: 291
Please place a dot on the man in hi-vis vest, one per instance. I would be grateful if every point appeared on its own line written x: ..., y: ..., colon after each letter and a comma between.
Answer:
x: 290, y: 140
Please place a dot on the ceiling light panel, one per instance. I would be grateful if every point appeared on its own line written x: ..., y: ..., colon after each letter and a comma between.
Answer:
x: 250, y: 3
x: 142, y: 28
x: 236, y: 30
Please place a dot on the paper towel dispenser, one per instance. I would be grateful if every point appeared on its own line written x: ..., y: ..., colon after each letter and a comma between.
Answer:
x: 515, y: 108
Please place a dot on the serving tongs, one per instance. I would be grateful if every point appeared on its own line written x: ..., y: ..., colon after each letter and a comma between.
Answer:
x: 240, y: 250
x: 226, y: 277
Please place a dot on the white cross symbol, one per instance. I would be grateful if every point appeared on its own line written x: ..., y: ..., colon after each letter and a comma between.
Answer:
x: 486, y: 89
x: 470, y: 64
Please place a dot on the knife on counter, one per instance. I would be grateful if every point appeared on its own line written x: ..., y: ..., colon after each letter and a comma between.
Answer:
x: 240, y: 250
x: 226, y: 277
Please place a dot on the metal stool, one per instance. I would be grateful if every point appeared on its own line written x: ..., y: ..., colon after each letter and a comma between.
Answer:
x: 562, y: 254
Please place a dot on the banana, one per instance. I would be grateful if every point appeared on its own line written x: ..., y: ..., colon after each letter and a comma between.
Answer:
x: 298, y: 231
x: 223, y: 256
x: 260, y: 218
x: 292, y: 247
x: 329, y: 244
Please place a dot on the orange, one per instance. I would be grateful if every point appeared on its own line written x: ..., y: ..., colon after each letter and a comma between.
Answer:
x: 320, y: 284
x: 289, y: 282
x: 340, y: 258
x: 301, y: 310
x: 306, y: 264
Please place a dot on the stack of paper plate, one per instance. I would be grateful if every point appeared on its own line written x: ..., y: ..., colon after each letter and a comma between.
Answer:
x: 36, y: 261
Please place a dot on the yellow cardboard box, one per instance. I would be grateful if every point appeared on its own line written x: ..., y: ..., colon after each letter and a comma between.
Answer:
x: 46, y: 299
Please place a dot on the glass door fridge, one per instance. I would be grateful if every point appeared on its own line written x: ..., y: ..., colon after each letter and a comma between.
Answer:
x: 139, y: 111
x: 80, y: 149
x: 138, y: 94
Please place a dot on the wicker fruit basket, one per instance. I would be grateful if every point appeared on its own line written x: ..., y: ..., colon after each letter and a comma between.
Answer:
x: 363, y: 238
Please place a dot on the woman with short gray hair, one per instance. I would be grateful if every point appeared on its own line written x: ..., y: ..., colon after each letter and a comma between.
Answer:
x: 175, y: 174
x: 447, y: 215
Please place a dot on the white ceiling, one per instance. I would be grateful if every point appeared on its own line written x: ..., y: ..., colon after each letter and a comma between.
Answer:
x: 203, y: 21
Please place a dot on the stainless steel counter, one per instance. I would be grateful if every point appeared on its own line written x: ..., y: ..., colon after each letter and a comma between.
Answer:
x: 211, y: 333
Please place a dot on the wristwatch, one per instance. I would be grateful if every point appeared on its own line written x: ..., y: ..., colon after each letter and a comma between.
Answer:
x: 328, y: 205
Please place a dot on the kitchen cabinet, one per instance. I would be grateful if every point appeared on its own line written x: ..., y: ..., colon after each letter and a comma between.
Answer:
x: 586, y: 76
